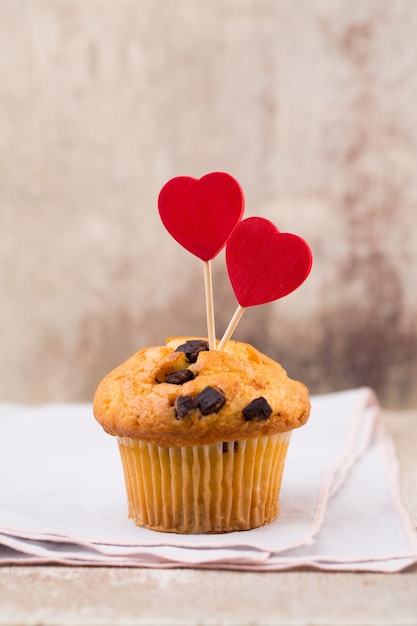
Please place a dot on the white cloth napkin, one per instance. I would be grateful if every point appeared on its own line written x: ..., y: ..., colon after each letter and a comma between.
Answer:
x: 62, y: 497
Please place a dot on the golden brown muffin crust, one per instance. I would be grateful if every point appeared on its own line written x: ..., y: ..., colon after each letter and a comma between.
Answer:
x: 135, y: 401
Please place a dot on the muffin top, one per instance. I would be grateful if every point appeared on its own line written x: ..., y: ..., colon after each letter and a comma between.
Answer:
x: 184, y: 394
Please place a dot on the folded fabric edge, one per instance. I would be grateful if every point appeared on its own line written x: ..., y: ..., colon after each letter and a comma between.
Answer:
x: 69, y: 552
x: 391, y: 470
x: 389, y: 566
x: 183, y: 556
x: 337, y: 474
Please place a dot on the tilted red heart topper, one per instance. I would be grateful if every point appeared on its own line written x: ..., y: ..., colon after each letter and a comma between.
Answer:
x: 265, y: 264
x: 201, y: 213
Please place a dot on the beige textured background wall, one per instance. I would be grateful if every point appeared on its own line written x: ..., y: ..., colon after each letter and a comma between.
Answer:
x: 309, y: 104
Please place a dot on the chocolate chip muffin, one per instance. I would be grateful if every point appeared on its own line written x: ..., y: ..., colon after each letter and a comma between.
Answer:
x: 203, y: 434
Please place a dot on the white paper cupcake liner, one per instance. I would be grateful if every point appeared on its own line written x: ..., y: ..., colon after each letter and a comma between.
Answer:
x: 207, y: 488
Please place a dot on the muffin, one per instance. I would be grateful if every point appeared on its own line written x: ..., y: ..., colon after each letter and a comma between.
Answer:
x: 203, y: 434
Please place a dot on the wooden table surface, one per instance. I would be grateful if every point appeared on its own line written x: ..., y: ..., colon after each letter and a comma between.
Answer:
x: 84, y: 596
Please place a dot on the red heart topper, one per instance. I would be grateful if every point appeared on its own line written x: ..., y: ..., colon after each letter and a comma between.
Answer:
x: 201, y: 213
x: 265, y: 264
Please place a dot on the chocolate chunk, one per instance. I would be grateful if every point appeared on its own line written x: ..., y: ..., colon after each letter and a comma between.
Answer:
x: 192, y: 348
x: 225, y: 446
x: 180, y: 377
x: 258, y: 409
x: 210, y: 400
x: 185, y: 404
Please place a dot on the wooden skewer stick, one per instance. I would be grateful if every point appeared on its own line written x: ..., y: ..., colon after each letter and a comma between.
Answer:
x: 232, y: 326
x: 211, y: 329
